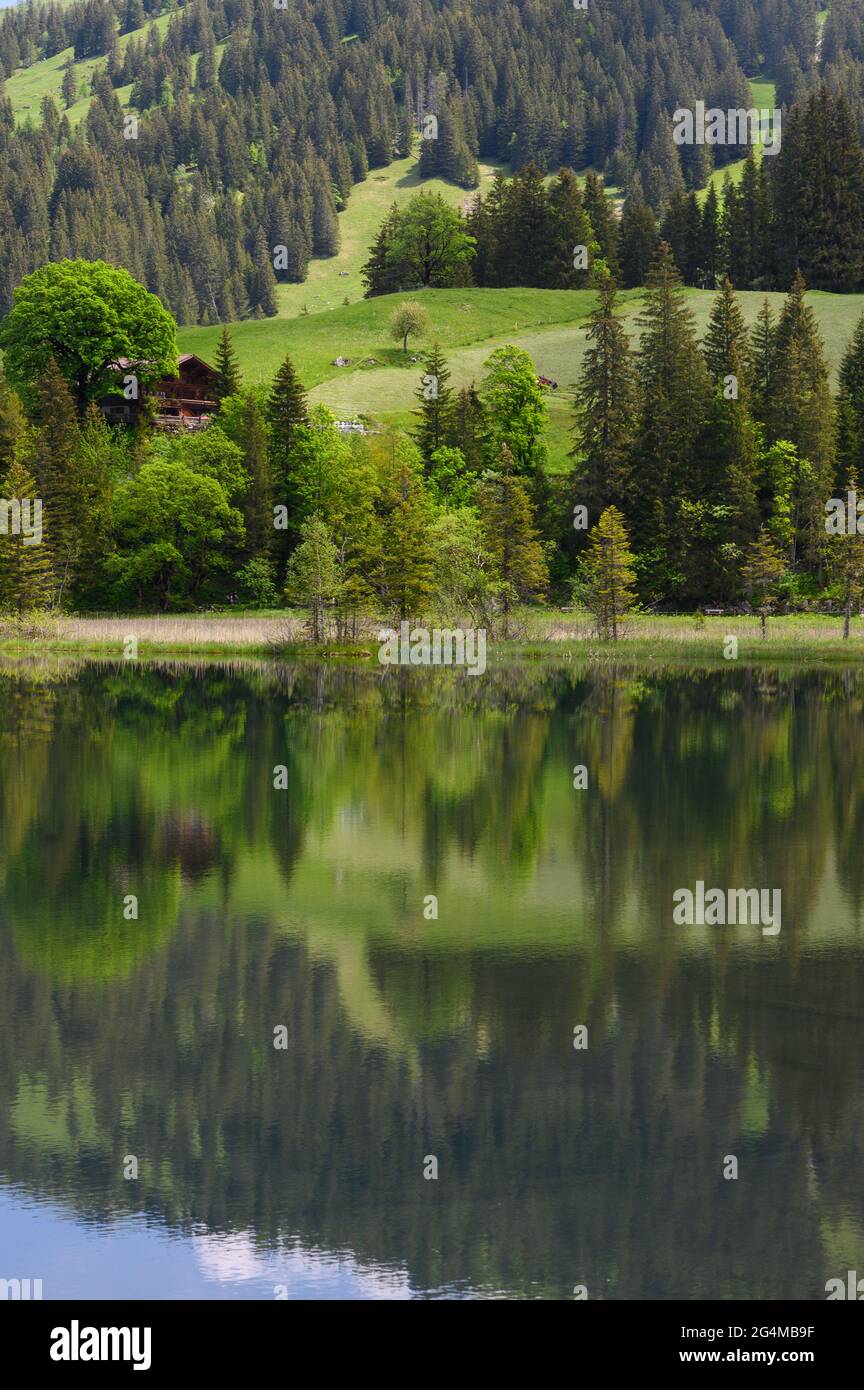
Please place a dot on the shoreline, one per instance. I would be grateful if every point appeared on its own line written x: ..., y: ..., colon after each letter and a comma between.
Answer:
x: 556, y: 637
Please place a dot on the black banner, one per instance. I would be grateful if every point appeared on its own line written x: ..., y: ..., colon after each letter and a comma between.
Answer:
x: 231, y: 1338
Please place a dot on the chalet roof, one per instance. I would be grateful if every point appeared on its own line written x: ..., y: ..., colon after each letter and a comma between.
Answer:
x: 123, y: 363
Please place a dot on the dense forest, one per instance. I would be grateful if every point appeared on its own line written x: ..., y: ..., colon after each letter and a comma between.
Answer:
x: 720, y: 457
x: 255, y: 122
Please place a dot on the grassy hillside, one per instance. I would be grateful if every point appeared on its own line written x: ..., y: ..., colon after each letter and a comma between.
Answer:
x: 469, y: 323
x: 26, y: 87
x: 332, y: 280
x: 763, y: 97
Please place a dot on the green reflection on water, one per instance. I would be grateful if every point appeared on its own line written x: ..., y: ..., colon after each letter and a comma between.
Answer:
x: 303, y: 907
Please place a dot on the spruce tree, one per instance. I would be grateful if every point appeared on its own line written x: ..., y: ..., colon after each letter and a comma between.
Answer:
x: 709, y: 241
x: 763, y: 566
x: 571, y: 230
x: 286, y: 409
x: 801, y: 410
x: 846, y: 561
x: 638, y: 242
x: 69, y: 85
x: 228, y: 380
x: 25, y: 563
x: 850, y: 406
x: 54, y: 458
x: 405, y: 577
x: 607, y: 577
x: 725, y: 464
x: 467, y: 429
x: 727, y: 346
x: 436, y: 399
x: 606, y: 401
x: 675, y: 396
x: 286, y: 412
x: 602, y: 219
x: 763, y: 345
x: 13, y: 423
x: 380, y: 274
x: 517, y: 562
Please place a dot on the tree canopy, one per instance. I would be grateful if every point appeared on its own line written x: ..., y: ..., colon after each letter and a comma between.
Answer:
x: 87, y: 316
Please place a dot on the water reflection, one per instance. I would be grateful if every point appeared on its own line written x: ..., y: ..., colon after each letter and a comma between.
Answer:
x: 411, y: 1035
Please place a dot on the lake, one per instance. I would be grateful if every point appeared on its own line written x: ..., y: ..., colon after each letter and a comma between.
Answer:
x: 323, y: 982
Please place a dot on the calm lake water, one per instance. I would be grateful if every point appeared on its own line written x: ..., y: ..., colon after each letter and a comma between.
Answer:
x: 298, y: 1170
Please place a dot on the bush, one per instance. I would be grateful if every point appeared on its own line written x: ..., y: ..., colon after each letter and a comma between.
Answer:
x: 258, y: 581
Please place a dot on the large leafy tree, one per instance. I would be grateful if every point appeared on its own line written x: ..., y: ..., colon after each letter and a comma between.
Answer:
x: 175, y: 530
x: 86, y: 315
x: 314, y: 579
x: 515, y: 407
x: 430, y: 245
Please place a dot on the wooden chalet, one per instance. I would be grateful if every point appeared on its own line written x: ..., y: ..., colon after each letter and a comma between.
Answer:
x: 184, y: 402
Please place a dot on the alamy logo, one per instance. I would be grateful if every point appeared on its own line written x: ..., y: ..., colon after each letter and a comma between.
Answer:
x: 737, y: 126
x: 719, y: 907
x: 845, y: 518
x: 20, y: 1289
x: 78, y: 1343
x: 24, y: 522
x: 853, y: 1288
x: 440, y: 647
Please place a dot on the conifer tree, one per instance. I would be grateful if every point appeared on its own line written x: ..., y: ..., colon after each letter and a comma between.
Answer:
x: 801, y: 410
x: 763, y: 345
x: 727, y: 347
x: 228, y: 379
x: 638, y: 242
x: 54, y: 459
x: 13, y: 423
x: 25, y: 563
x: 850, y: 406
x: 466, y: 429
x: 602, y: 219
x: 606, y: 401
x: 262, y: 280
x: 517, y: 562
x: 379, y: 274
x: 846, y: 561
x: 607, y: 578
x: 571, y: 231
x: 405, y: 577
x: 675, y: 395
x: 286, y: 410
x: 762, y: 568
x: 436, y: 399
x: 69, y: 85
x: 286, y: 413
x: 709, y: 241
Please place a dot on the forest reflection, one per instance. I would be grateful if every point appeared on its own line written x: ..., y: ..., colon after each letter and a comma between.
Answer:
x: 411, y: 1035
